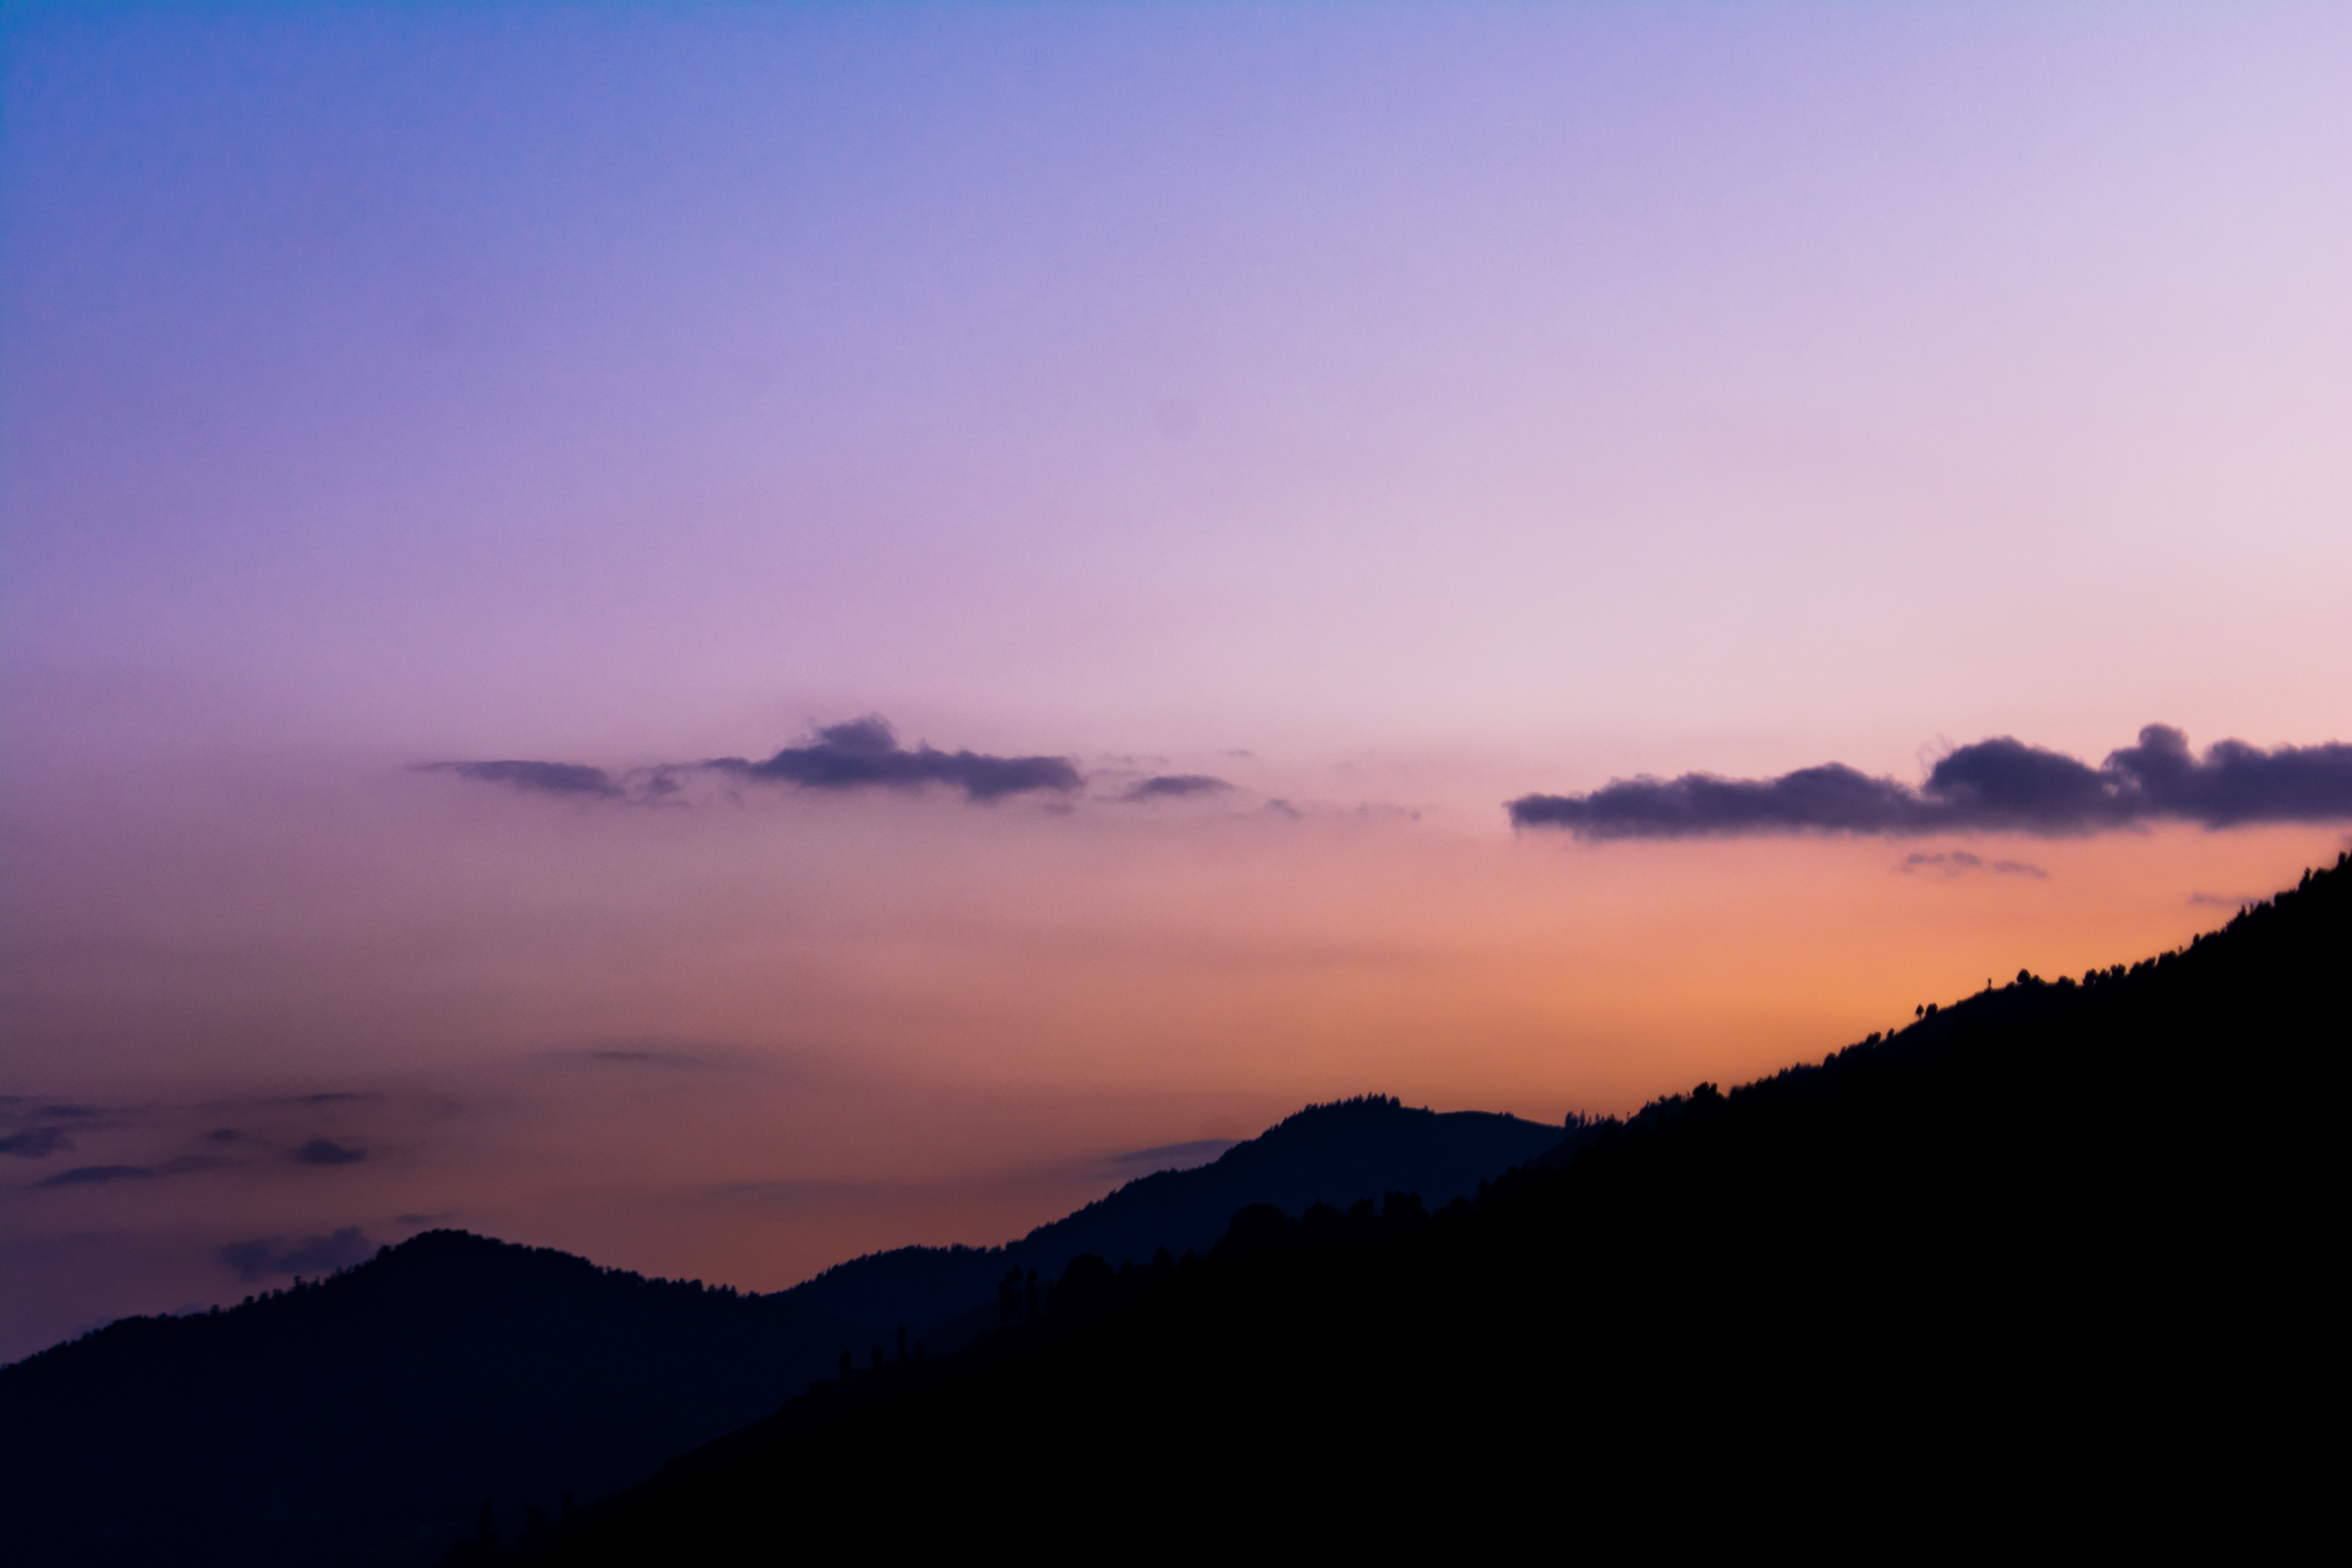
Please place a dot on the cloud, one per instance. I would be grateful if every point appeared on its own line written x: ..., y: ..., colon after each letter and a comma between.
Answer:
x: 1959, y: 862
x: 99, y: 1175
x: 92, y: 1176
x: 256, y: 1260
x: 862, y: 753
x: 1168, y: 1157
x: 320, y: 1152
x: 573, y: 779
x: 1176, y: 786
x: 2224, y: 900
x: 865, y: 753
x: 2001, y: 786
x: 36, y: 1143
x: 644, y: 1055
x: 788, y: 1191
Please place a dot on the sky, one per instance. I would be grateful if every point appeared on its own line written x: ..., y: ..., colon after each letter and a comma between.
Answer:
x: 724, y: 637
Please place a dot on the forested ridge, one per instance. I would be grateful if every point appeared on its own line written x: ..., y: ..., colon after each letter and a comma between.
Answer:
x: 372, y: 1416
x: 1336, y: 1152
x: 2061, y: 1246
x: 2051, y: 1257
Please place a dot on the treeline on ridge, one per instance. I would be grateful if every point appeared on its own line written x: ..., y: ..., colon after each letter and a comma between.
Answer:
x: 2054, y: 1249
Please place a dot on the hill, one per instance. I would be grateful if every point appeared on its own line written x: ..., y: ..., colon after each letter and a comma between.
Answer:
x: 363, y: 1418
x: 2048, y: 1265
x: 1338, y: 1153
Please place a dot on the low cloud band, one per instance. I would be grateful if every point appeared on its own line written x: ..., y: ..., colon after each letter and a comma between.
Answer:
x: 1996, y: 785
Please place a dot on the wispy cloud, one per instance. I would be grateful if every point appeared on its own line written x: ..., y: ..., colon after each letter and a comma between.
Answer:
x: 99, y: 1175
x: 862, y: 753
x: 791, y: 1191
x: 643, y: 1056
x: 1959, y: 863
x: 1996, y: 785
x: 1175, y: 786
x: 36, y: 1143
x: 1168, y: 1157
x: 254, y: 1261
x: 326, y: 1151
x: 573, y: 779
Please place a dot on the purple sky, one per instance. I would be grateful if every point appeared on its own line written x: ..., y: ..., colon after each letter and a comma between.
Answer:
x: 1390, y: 412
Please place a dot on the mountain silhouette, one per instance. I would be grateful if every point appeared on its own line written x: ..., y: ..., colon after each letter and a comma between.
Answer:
x: 2046, y: 1268
x: 362, y: 1418
x: 1338, y: 1153
x: 365, y: 1417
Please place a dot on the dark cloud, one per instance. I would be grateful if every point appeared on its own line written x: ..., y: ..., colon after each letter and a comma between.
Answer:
x: 315, y: 1255
x: 1959, y: 862
x: 1996, y: 785
x: 333, y: 1097
x: 1176, y: 786
x: 36, y: 1143
x: 97, y: 1176
x: 320, y: 1152
x: 92, y: 1176
x: 68, y: 1112
x: 865, y: 753
x: 541, y: 778
x: 225, y: 1135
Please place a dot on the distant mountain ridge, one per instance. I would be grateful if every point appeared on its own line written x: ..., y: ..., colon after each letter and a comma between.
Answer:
x: 1336, y: 1153
x: 362, y: 1418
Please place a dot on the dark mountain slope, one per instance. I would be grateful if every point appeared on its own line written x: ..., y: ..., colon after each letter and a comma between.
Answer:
x: 362, y: 1418
x: 1331, y: 1154
x: 2051, y: 1265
